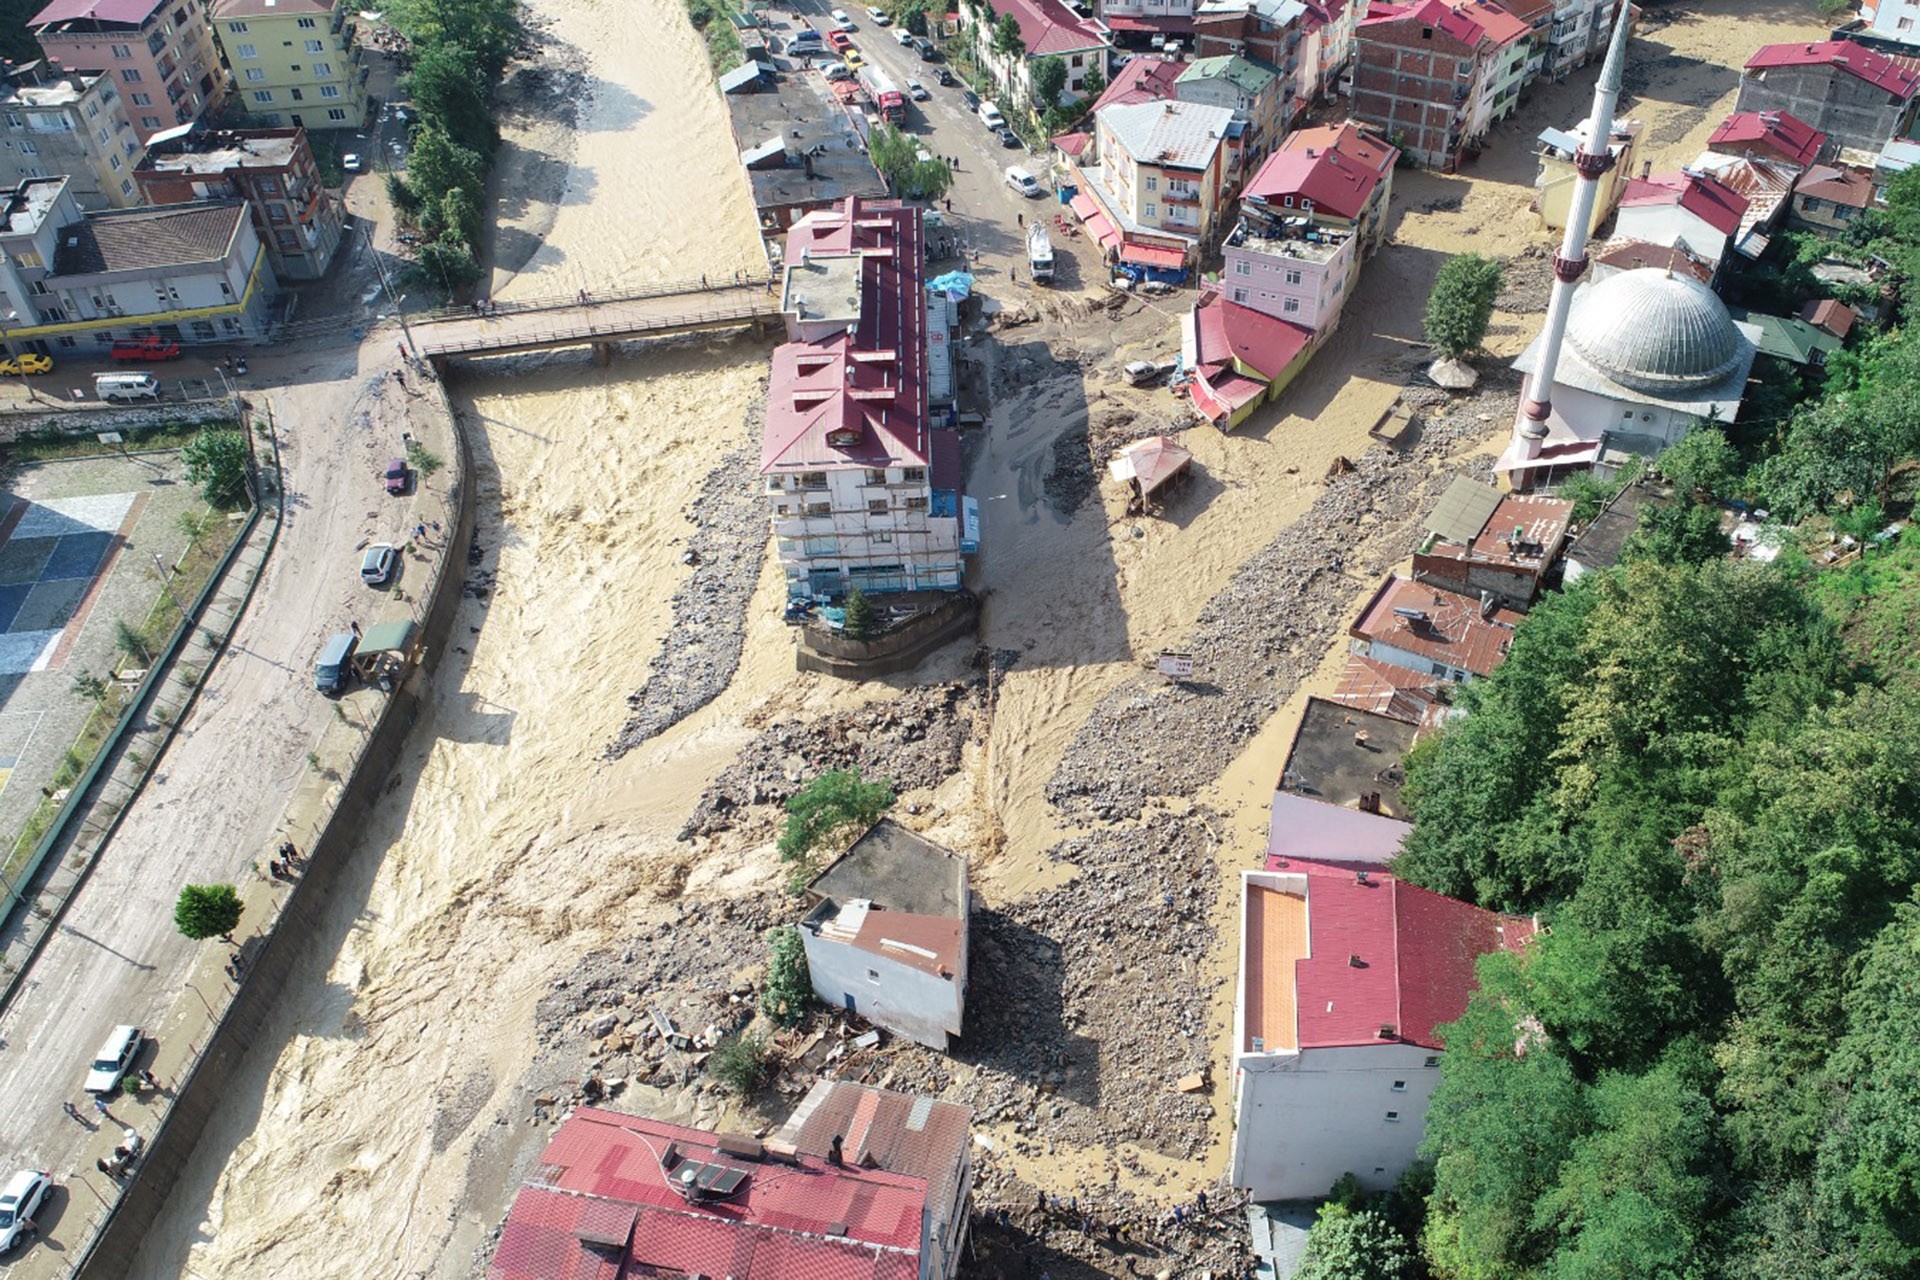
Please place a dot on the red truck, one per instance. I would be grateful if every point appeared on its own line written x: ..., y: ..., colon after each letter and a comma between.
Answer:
x: 148, y: 348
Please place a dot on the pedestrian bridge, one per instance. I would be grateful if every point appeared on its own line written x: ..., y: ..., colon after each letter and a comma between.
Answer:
x: 599, y: 319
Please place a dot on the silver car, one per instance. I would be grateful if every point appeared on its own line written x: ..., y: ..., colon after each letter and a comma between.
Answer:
x: 377, y: 565
x: 114, y: 1059
x: 25, y: 1196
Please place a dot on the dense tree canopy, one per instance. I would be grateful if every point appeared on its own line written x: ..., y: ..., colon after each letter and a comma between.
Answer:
x: 1460, y: 306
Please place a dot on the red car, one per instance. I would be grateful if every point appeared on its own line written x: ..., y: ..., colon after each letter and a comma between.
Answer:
x: 840, y: 40
x: 397, y: 476
x: 147, y: 348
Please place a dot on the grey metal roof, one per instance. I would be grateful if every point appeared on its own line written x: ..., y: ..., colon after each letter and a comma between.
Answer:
x: 1183, y: 135
x: 175, y: 235
x: 895, y: 869
x: 1464, y: 510
x: 1655, y: 332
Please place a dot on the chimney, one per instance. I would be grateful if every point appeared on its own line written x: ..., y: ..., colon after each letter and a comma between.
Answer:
x: 1591, y: 162
x: 1646, y: 169
x: 833, y: 1154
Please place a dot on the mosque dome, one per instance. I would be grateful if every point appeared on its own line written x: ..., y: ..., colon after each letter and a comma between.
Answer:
x: 1656, y: 332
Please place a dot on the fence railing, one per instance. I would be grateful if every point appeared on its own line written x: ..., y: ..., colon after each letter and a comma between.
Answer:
x: 595, y: 298
x: 611, y: 331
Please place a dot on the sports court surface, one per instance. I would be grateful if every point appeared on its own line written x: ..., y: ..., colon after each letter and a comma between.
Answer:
x: 51, y: 563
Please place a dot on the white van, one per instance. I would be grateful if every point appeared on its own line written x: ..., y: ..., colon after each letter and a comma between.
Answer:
x: 126, y: 386
x: 1022, y: 181
x: 991, y: 117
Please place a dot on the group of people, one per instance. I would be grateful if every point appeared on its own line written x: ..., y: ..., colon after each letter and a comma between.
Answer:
x: 287, y: 860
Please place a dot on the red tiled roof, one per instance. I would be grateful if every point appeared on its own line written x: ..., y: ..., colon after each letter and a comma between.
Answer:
x: 1335, y: 166
x: 1072, y: 144
x: 131, y: 12
x: 1712, y: 202
x: 1842, y: 186
x: 1388, y: 961
x: 1629, y: 255
x: 1410, y: 697
x: 898, y: 1132
x: 1048, y: 26
x: 1856, y: 60
x: 1775, y: 132
x: 1826, y: 313
x: 602, y: 1206
x: 1141, y: 80
x: 1453, y: 632
x: 1471, y: 22
x: 1226, y: 331
x: 867, y: 389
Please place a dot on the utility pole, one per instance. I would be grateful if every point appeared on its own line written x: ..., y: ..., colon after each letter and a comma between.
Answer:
x: 387, y: 285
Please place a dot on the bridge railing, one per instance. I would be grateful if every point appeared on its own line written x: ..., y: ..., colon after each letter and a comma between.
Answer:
x: 612, y: 331
x: 594, y: 297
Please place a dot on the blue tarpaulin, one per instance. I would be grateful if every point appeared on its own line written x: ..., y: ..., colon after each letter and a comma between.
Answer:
x: 955, y: 284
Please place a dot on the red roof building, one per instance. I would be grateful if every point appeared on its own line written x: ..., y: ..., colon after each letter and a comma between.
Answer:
x: 1829, y: 197
x: 1141, y: 80
x: 1346, y: 977
x: 1773, y: 134
x: 1857, y: 97
x: 1241, y: 357
x: 1681, y: 209
x: 1863, y: 64
x: 1424, y: 628
x: 1333, y: 170
x: 619, y: 1197
x: 1423, y: 73
x: 1829, y: 315
x: 1631, y: 255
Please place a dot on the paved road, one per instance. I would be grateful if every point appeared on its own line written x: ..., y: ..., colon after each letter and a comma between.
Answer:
x: 608, y: 319
x: 215, y: 801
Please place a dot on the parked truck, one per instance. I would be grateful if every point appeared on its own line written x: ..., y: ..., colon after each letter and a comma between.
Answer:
x: 1039, y: 251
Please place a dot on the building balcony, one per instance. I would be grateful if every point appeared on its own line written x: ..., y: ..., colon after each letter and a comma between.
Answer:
x: 1180, y: 197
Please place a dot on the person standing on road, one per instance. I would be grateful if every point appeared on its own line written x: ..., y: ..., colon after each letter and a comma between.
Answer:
x: 73, y: 1112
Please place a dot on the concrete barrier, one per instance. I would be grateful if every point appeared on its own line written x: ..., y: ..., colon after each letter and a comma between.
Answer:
x: 898, y: 650
x: 198, y: 1092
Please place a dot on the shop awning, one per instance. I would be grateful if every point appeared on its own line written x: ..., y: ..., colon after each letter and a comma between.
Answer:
x: 1572, y: 454
x: 1153, y: 255
x: 1098, y: 225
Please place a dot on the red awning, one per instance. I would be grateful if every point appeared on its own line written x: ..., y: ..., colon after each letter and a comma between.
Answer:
x: 1153, y: 255
x: 1098, y: 223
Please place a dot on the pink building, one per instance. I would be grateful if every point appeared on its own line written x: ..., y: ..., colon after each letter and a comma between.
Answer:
x: 1307, y: 217
x: 160, y: 54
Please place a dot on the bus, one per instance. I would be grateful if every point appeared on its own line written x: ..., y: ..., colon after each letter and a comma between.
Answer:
x: 886, y: 95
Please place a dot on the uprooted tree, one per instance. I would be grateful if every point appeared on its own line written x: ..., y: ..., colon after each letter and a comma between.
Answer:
x: 838, y: 803
x: 789, y: 985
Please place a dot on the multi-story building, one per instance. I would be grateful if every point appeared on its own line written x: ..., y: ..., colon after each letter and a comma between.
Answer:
x: 1897, y: 21
x: 1829, y: 197
x: 1683, y: 209
x: 1048, y: 28
x: 1428, y: 75
x: 865, y: 490
x: 1482, y: 542
x: 1346, y: 975
x: 1558, y: 177
x: 1307, y: 43
x: 160, y: 54
x: 1254, y: 91
x: 1768, y: 135
x: 1162, y: 178
x: 1307, y: 218
x: 191, y: 273
x: 1148, y: 17
x: 1857, y: 97
x: 1578, y: 32
x: 294, y: 61
x: 73, y: 123
x: 272, y: 170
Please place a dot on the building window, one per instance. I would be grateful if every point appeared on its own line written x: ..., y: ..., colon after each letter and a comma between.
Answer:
x: 238, y: 28
x: 28, y: 149
x: 336, y: 113
x: 113, y: 163
x: 130, y: 74
x: 307, y: 24
x: 819, y: 509
x: 203, y: 331
x: 1290, y: 306
x: 256, y: 74
x: 314, y: 46
x: 913, y: 475
x: 1151, y: 213
x: 1153, y: 184
x: 1293, y: 277
x: 248, y: 51
x: 1399, y: 1086
x: 876, y: 506
x: 1241, y: 267
x: 1240, y: 296
x: 883, y: 539
x: 263, y: 95
x: 329, y: 90
x: 323, y: 69
x: 916, y: 504
x: 876, y: 476
x: 813, y: 479
x: 149, y: 122
x: 140, y: 99
x: 298, y: 95
x: 68, y: 341
x: 1432, y: 1061
x: 122, y: 50
x: 1393, y: 1117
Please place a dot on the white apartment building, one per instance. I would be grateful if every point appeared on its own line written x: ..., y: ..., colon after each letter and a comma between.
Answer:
x: 70, y: 123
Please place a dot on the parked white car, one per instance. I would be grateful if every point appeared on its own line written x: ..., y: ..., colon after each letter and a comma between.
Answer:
x: 115, y: 1059
x: 20, y: 1203
x: 991, y: 117
x: 917, y: 91
x: 880, y: 16
x: 841, y: 22
x: 1023, y: 182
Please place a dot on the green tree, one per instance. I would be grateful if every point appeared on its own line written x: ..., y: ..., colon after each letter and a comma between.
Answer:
x: 438, y: 164
x: 489, y: 30
x: 1460, y: 307
x: 401, y: 196
x: 1092, y: 84
x: 449, y: 92
x: 216, y: 460
x: 1007, y: 40
x: 834, y: 805
x: 740, y: 1062
x: 1349, y: 1245
x: 89, y: 686
x: 1048, y: 75
x: 1702, y: 462
x: 860, y: 621
x: 446, y: 263
x: 207, y: 911
x: 789, y: 988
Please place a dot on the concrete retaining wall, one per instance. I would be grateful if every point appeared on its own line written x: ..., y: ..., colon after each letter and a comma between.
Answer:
x: 898, y: 650
x: 199, y: 1093
x: 84, y: 419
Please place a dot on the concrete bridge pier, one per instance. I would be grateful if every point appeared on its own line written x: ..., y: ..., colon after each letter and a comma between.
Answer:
x: 603, y: 354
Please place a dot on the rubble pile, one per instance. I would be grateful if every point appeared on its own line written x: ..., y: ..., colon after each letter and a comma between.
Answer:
x: 1526, y: 280
x: 1072, y: 478
x: 1269, y: 628
x: 913, y: 741
x: 710, y: 608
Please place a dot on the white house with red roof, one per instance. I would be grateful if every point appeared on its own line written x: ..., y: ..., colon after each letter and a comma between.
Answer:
x: 1156, y: 180
x: 1238, y: 358
x: 864, y: 487
x: 623, y: 1197
x: 1346, y: 975
x: 1048, y: 28
x: 1768, y: 135
x: 1681, y: 209
x: 1307, y: 220
x: 1857, y: 97
x: 1433, y: 631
